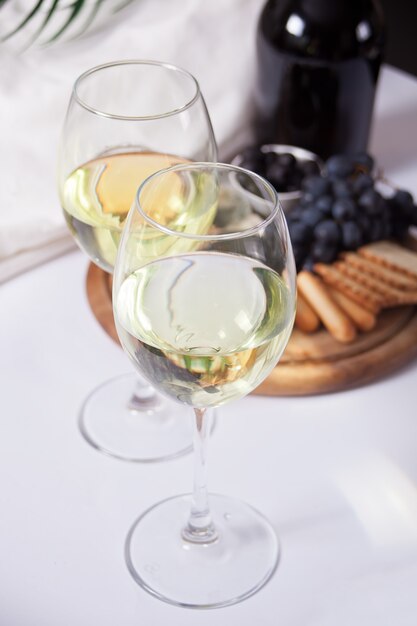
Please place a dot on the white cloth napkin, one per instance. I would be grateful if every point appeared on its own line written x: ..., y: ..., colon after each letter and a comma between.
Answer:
x: 214, y: 40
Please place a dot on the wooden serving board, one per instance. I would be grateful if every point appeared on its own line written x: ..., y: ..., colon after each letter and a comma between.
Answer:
x: 311, y: 364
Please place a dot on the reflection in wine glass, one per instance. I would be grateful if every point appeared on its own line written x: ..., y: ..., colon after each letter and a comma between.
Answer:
x: 125, y: 121
x: 204, y: 299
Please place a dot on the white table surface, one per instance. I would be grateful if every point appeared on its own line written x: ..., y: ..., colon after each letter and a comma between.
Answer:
x: 336, y: 474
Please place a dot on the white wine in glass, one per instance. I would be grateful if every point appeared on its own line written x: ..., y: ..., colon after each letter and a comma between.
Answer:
x: 125, y: 121
x: 96, y: 198
x: 204, y: 305
x: 207, y: 357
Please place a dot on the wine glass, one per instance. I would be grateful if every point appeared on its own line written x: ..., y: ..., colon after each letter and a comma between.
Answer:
x: 204, y: 300
x: 125, y: 121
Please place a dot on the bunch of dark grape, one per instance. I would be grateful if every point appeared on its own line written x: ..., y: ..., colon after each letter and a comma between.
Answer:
x: 341, y: 209
x: 282, y: 170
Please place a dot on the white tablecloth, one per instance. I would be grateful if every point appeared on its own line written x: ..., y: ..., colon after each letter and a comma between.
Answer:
x: 336, y: 474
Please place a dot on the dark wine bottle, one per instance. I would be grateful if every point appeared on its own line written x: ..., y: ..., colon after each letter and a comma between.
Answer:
x: 318, y: 65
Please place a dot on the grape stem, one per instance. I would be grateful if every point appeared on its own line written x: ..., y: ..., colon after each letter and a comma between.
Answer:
x: 200, y: 528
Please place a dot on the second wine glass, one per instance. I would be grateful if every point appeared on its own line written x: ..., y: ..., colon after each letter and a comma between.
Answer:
x: 204, y: 304
x: 125, y: 121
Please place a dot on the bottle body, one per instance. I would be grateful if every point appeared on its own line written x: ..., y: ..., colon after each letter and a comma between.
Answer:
x: 317, y: 73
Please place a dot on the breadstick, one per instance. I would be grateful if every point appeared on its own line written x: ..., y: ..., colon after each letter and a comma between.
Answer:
x: 362, y: 318
x: 333, y: 317
x: 305, y: 318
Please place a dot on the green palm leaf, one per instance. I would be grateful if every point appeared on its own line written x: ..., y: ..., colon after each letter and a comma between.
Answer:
x: 90, y: 18
x: 45, y: 22
x: 25, y: 21
x: 75, y: 10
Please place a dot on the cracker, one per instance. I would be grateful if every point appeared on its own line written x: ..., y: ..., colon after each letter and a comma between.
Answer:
x: 391, y: 295
x: 391, y: 255
x: 371, y: 300
x: 390, y: 277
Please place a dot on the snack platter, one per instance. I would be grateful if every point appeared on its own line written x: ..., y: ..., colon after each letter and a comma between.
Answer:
x: 351, y: 233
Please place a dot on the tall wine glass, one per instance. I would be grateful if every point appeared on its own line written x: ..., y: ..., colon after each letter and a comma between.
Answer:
x: 125, y: 121
x: 204, y: 299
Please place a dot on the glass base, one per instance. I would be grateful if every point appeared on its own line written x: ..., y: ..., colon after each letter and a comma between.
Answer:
x: 202, y: 576
x: 127, y: 419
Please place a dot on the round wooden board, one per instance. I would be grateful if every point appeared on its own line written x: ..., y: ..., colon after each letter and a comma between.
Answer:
x: 311, y: 364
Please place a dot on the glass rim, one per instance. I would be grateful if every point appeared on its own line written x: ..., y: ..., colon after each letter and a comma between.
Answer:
x: 276, y: 210
x: 148, y: 62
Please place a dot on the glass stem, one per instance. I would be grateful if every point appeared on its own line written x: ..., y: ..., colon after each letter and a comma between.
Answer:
x: 143, y: 398
x: 200, y: 528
